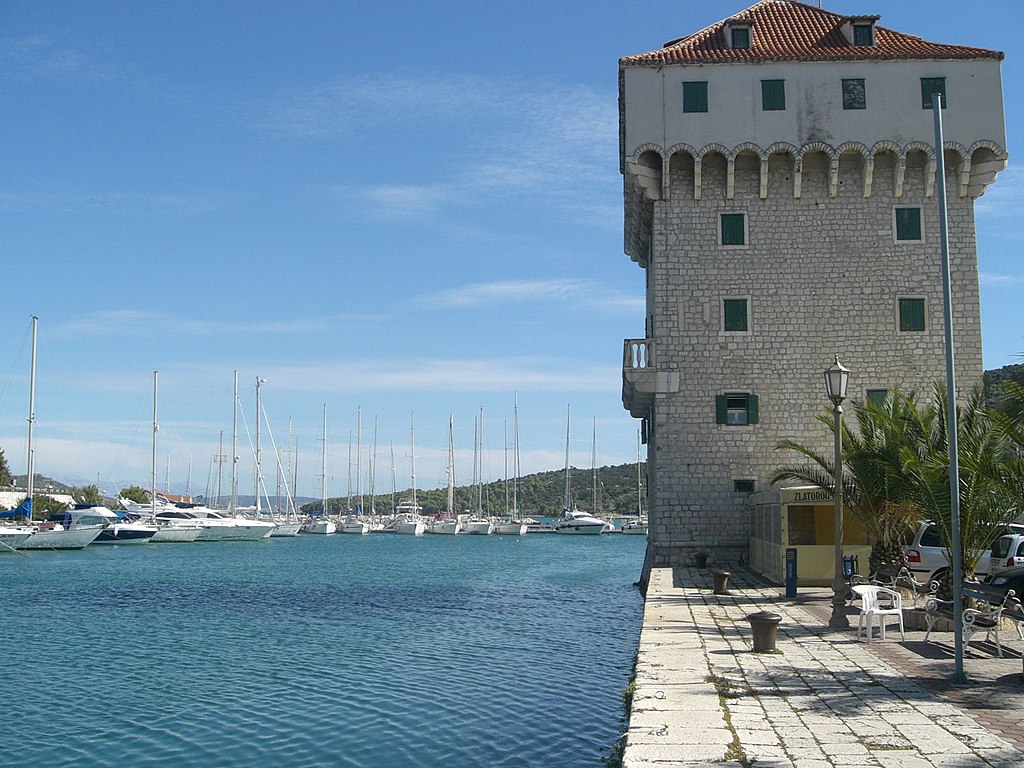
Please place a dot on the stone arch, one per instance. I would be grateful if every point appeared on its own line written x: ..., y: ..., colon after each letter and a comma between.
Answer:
x: 817, y: 161
x: 957, y: 164
x: 986, y: 159
x: 887, y: 147
x: 698, y: 170
x: 919, y: 161
x: 757, y: 173
x: 647, y: 167
x: 681, y: 163
x: 864, y: 164
x: 781, y: 171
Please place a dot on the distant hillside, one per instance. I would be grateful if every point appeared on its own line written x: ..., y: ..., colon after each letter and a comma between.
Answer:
x: 996, y: 380
x: 540, y: 495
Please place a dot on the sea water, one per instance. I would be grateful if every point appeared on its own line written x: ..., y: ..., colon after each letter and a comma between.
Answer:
x: 376, y: 650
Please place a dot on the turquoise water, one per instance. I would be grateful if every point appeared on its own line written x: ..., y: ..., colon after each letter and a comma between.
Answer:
x: 379, y: 651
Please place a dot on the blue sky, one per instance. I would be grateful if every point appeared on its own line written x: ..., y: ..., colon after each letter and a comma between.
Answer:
x: 408, y: 208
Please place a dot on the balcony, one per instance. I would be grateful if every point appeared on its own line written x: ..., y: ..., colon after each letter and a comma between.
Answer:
x: 639, y: 376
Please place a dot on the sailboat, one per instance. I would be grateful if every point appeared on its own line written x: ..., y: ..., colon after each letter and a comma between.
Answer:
x: 323, y: 524
x: 355, y: 523
x: 637, y: 526
x: 449, y: 524
x: 46, y: 534
x: 477, y: 523
x: 408, y: 514
x: 513, y: 524
x: 573, y: 521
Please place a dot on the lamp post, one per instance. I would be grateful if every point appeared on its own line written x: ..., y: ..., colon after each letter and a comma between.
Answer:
x: 837, y: 378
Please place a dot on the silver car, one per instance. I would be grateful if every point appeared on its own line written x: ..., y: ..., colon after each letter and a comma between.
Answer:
x: 926, y: 554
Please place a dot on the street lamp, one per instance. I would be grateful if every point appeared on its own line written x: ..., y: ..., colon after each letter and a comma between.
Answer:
x: 837, y: 379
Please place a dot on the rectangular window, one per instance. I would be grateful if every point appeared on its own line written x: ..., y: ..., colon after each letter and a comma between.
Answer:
x: 734, y: 229
x: 736, y: 409
x: 907, y: 221
x: 911, y: 315
x: 695, y: 96
x: 744, y: 485
x: 734, y: 315
x: 930, y: 85
x: 740, y: 37
x: 877, y: 396
x: 773, y: 95
x: 854, y: 95
x: 863, y: 34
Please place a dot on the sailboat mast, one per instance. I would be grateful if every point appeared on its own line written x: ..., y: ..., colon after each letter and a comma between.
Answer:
x: 394, y: 480
x: 593, y: 464
x: 412, y: 448
x: 451, y: 465
x: 373, y: 470
x: 323, y: 469
x: 568, y: 419
x: 639, y: 491
x: 515, y: 458
x: 156, y: 427
x: 234, y: 446
x: 359, y: 453
x: 259, y: 473
x: 31, y: 461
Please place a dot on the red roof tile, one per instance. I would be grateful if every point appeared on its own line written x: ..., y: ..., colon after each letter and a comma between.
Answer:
x: 787, y: 30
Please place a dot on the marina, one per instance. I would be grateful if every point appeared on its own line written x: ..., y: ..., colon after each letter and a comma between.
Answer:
x: 381, y: 650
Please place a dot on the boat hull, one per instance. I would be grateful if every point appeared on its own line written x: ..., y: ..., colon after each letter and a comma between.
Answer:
x: 126, y: 534
x: 76, y: 539
x: 407, y: 528
x: 479, y: 528
x: 286, y: 529
x: 322, y: 527
x: 510, y: 529
x: 176, y: 534
x: 12, y: 538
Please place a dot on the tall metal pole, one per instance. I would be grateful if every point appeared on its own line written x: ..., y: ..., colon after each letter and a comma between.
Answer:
x: 951, y: 420
x: 838, y: 618
x: 31, y: 417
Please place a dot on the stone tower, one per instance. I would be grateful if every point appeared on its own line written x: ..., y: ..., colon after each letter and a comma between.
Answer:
x: 779, y: 192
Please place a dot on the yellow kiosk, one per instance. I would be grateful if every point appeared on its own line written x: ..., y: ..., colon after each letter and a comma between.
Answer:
x: 802, y: 518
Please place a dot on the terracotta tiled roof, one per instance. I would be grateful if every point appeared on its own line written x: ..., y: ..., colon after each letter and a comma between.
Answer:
x: 786, y: 30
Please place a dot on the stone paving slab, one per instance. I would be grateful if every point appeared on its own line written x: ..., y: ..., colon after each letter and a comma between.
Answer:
x: 823, y: 699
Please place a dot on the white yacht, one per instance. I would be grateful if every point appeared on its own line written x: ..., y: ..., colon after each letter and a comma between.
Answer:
x: 322, y: 525
x: 355, y: 525
x: 578, y: 523
x: 116, y: 529
x: 409, y: 520
x: 478, y: 525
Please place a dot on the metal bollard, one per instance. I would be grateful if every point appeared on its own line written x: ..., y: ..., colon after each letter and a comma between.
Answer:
x: 721, y: 581
x: 764, y: 625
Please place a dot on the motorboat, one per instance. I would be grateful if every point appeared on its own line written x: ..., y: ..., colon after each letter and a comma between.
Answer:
x: 476, y: 525
x: 47, y: 534
x: 510, y: 528
x: 408, y: 520
x: 116, y: 528
x: 355, y: 525
x: 445, y: 526
x: 219, y: 527
x: 636, y: 526
x: 576, y: 522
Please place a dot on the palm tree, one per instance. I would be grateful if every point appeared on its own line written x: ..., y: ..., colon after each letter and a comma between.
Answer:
x: 876, y: 487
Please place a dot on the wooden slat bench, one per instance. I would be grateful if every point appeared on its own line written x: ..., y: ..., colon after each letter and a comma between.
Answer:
x: 991, y: 606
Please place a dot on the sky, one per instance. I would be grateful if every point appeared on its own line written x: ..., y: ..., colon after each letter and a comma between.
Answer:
x: 400, y: 210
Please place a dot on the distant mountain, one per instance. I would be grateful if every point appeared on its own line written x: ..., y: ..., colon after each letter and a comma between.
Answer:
x: 42, y: 483
x: 996, y: 380
x: 540, y: 495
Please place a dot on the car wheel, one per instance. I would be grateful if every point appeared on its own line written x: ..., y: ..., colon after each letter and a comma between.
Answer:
x: 939, y: 575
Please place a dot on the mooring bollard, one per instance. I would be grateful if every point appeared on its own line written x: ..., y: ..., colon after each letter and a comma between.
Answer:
x: 701, y: 558
x: 764, y: 624
x: 721, y: 581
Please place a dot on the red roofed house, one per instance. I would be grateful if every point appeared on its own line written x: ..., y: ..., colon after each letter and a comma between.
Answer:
x: 779, y: 189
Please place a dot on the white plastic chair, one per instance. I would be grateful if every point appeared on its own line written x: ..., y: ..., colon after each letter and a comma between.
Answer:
x: 878, y: 602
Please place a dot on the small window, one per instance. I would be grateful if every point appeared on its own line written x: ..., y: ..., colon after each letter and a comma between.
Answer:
x: 773, y: 95
x: 907, y: 223
x: 877, y: 396
x: 743, y: 485
x: 736, y: 409
x: 695, y: 96
x: 932, y: 537
x: 734, y: 315
x: 854, y: 95
x: 733, y: 229
x: 740, y: 37
x: 863, y: 34
x: 911, y: 315
x: 930, y: 85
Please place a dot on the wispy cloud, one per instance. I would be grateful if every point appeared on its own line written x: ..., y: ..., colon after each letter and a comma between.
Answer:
x: 1005, y: 198
x: 121, y: 322
x: 586, y: 293
x: 123, y: 203
x: 42, y: 58
x: 990, y: 279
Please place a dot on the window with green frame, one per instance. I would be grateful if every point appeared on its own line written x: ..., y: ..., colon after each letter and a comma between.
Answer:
x: 734, y: 315
x: 930, y: 85
x: 773, y: 95
x: 854, y: 94
x: 908, y: 223
x: 740, y: 37
x: 877, y: 396
x: 695, y: 96
x: 911, y: 315
x: 863, y: 34
x: 734, y: 229
x: 736, y: 409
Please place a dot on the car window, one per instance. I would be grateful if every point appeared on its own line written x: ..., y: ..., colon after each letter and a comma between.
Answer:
x: 1002, y: 547
x: 1020, y: 550
x: 931, y: 537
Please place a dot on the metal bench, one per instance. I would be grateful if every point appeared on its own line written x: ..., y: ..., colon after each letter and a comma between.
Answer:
x: 991, y: 606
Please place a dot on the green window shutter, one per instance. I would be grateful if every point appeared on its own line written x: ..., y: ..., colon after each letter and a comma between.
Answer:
x: 908, y: 224
x: 911, y: 314
x: 930, y: 85
x: 741, y: 38
x: 854, y: 94
x: 721, y: 409
x: 877, y: 396
x: 695, y: 96
x: 733, y: 229
x: 863, y: 35
x: 735, y: 312
x: 751, y: 409
x: 773, y: 95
